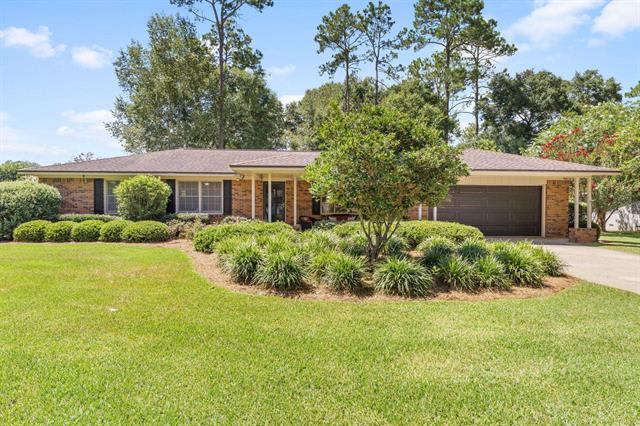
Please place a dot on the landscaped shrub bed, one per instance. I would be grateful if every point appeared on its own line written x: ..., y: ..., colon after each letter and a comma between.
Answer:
x: 59, y: 232
x: 73, y: 217
x: 87, y: 231
x: 255, y: 253
x: 111, y: 232
x: 31, y: 232
x: 145, y: 231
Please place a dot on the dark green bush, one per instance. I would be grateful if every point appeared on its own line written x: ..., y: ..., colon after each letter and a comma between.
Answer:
x: 416, y: 231
x: 88, y: 230
x: 243, y: 262
x: 23, y: 201
x: 522, y: 267
x: 344, y: 273
x: 470, y: 250
x: 145, y: 231
x: 434, y: 250
x: 111, y: 232
x: 82, y: 217
x: 457, y: 274
x: 32, y: 231
x: 490, y: 273
x: 396, y: 246
x: 206, y: 239
x: 402, y: 276
x: 280, y: 271
x: 142, y: 197
x: 59, y: 232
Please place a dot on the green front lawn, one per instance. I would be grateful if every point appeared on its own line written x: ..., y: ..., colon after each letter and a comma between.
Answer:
x: 96, y: 333
x: 621, y: 241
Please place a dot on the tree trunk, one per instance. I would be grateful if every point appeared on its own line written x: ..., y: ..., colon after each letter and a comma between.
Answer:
x: 221, y: 86
x: 377, y: 84
x: 476, y: 111
x: 602, y: 220
x: 347, y: 106
x: 447, y: 94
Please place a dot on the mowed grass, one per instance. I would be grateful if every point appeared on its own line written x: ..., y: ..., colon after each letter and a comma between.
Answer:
x: 96, y: 333
x: 622, y: 241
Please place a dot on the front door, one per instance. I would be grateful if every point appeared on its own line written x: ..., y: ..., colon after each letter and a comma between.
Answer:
x: 277, y: 201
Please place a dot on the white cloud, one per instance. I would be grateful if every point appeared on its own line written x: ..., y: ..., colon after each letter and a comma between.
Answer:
x: 551, y: 20
x: 287, y: 99
x: 617, y: 18
x: 91, y: 57
x: 38, y: 43
x: 32, y: 149
x: 87, y: 127
x: 281, y: 71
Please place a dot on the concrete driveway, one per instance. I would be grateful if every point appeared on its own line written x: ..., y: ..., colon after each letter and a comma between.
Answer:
x: 599, y: 265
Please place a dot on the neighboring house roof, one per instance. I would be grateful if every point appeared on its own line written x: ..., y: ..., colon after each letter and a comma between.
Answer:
x: 204, y: 161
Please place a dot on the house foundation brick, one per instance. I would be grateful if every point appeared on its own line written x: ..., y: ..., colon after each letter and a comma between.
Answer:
x: 583, y: 235
x: 556, y: 209
x: 77, y: 194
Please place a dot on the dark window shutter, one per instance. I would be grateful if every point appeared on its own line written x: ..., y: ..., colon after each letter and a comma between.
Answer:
x: 315, y: 206
x: 98, y: 196
x: 228, y: 196
x: 171, y: 205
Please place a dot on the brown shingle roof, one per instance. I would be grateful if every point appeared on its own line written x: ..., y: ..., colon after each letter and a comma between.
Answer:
x: 204, y: 161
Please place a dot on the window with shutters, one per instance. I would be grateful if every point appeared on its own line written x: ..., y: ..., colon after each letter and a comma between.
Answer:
x: 188, y: 197
x: 211, y: 193
x: 110, y: 205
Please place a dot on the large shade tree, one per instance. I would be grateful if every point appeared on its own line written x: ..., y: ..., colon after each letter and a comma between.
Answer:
x: 603, y: 135
x: 9, y: 169
x: 378, y: 164
x: 171, y: 95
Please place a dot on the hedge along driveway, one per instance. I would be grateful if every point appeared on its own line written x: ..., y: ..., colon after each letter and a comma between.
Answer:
x: 123, y: 334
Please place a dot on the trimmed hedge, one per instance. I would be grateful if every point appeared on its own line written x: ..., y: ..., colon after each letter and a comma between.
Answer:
x: 74, y: 217
x: 206, y: 239
x: 142, y: 197
x: 59, y: 232
x: 146, y: 231
x: 87, y: 231
x: 111, y: 232
x: 24, y: 201
x: 31, y: 232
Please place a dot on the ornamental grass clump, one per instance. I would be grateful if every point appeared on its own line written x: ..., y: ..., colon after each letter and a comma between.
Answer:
x: 206, y: 239
x: 319, y: 262
x: 243, y: 262
x: 59, y: 232
x: 316, y: 241
x: 280, y: 271
x: 344, y: 273
x: 456, y: 273
x: 111, y: 232
x: 522, y: 267
x: 31, y: 232
x: 403, y: 277
x: 435, y: 250
x: 354, y: 245
x: 471, y: 250
x: 396, y: 246
x: 87, y: 231
x: 490, y: 273
x: 551, y: 263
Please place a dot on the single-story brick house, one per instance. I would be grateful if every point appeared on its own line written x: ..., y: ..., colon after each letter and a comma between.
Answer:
x: 505, y: 194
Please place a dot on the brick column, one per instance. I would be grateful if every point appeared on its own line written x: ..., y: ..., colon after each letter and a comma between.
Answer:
x: 557, y: 208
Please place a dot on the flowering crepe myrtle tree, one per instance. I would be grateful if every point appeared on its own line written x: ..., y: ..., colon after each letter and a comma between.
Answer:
x: 605, y: 135
x: 379, y: 163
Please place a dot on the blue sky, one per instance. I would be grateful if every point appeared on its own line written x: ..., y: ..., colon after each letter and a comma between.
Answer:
x: 57, y: 83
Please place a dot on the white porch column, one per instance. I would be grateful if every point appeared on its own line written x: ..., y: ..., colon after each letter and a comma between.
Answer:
x: 253, y: 195
x: 435, y: 213
x: 543, y: 213
x: 295, y: 200
x: 420, y: 211
x: 576, y: 203
x: 269, y: 199
x: 589, y: 202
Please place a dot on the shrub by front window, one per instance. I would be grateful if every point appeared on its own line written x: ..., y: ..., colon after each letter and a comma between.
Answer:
x: 403, y: 277
x: 23, y: 201
x: 111, y: 232
x: 87, y: 231
x: 142, y: 198
x: 146, y: 231
x: 32, y: 232
x: 59, y: 232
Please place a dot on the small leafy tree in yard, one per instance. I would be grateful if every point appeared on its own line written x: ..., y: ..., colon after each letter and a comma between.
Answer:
x: 378, y: 164
x: 142, y: 198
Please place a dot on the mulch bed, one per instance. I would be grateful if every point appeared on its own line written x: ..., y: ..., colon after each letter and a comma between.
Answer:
x: 207, y: 266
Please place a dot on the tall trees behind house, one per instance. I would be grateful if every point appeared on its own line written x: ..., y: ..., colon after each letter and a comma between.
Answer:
x: 171, y: 95
x: 232, y: 45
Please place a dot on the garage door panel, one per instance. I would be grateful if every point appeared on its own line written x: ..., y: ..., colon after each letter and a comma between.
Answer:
x: 495, y: 210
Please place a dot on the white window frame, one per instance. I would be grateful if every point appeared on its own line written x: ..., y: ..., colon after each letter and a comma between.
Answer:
x: 199, y: 182
x: 106, y: 196
x: 325, y: 211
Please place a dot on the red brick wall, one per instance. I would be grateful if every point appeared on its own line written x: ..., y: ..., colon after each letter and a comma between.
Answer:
x: 77, y: 194
x: 557, y: 205
x: 241, y: 203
